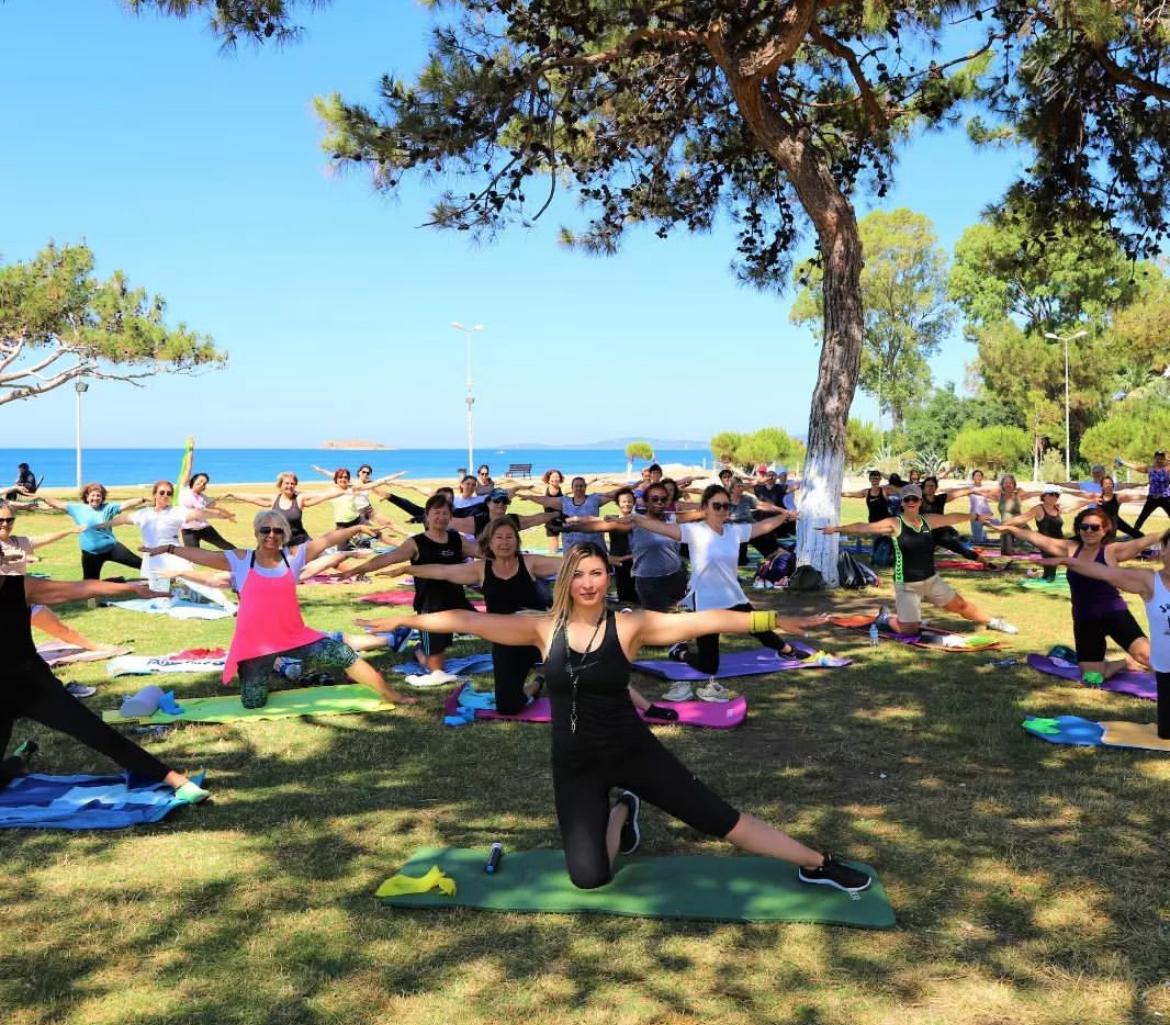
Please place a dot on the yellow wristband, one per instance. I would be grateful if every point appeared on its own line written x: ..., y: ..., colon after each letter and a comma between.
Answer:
x: 762, y: 620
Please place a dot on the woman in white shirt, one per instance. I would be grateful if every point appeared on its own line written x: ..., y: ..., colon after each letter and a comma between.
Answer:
x: 714, y: 552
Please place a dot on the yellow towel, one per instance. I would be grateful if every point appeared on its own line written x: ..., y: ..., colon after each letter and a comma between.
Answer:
x: 399, y: 884
x: 1133, y: 734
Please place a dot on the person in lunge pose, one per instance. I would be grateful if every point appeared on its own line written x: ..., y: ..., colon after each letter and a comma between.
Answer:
x: 915, y: 578
x: 1158, y: 496
x: 97, y: 541
x: 598, y: 741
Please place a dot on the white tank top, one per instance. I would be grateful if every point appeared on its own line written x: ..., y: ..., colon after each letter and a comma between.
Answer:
x: 1158, y: 613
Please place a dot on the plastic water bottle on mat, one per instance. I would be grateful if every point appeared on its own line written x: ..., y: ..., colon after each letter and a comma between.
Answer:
x: 873, y: 635
x: 159, y: 584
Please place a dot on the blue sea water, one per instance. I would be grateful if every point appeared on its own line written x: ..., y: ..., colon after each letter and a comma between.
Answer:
x: 133, y: 466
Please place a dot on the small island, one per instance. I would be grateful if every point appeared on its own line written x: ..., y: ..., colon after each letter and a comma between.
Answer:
x: 354, y: 444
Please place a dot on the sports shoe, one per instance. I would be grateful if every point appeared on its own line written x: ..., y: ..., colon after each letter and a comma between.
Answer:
x: 81, y: 690
x: 679, y: 691
x: 677, y: 652
x: 1003, y: 626
x: 834, y: 872
x: 713, y: 691
x: 435, y: 678
x: 398, y: 637
x: 631, y: 833
x: 882, y: 619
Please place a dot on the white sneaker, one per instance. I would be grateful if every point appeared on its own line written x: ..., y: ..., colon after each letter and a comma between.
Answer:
x: 679, y: 691
x: 714, y: 691
x: 1003, y: 626
x: 436, y: 678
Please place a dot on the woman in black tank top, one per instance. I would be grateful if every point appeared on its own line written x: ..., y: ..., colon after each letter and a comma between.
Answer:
x: 289, y: 502
x: 506, y: 577
x: 1047, y: 519
x: 31, y: 690
x: 598, y: 739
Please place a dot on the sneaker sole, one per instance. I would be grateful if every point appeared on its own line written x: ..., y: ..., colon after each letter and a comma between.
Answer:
x: 632, y: 823
x: 714, y: 699
x: 836, y: 886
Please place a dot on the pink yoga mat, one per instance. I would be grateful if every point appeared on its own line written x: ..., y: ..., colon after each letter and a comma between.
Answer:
x: 404, y: 597
x: 711, y: 715
x: 1138, y: 685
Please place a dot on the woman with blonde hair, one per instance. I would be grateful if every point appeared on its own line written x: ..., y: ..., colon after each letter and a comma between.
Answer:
x: 598, y: 740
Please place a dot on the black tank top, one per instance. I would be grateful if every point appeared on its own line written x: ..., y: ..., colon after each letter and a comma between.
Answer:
x: 619, y: 543
x: 296, y: 521
x: 1051, y: 526
x: 592, y: 689
x: 913, y: 553
x: 511, y: 594
x: 1113, y: 507
x: 15, y: 621
x: 935, y: 506
x: 438, y: 595
x: 878, y: 506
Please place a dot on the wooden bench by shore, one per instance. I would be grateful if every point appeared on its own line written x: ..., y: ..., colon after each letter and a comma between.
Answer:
x: 519, y: 470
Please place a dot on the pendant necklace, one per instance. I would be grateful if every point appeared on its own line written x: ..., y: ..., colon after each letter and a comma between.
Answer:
x: 574, y: 672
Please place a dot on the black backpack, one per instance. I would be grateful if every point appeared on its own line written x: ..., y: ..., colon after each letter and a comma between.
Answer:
x: 806, y: 578
x: 854, y: 574
x: 883, y: 551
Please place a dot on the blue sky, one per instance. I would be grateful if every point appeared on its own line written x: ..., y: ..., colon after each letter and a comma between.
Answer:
x: 201, y: 176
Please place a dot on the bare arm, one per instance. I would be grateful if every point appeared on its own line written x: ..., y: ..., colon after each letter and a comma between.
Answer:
x: 1122, y: 551
x: 597, y: 525
x: 1020, y: 519
x: 535, y: 519
x: 262, y: 501
x: 54, y: 503
x: 55, y: 592
x: 48, y: 539
x: 770, y: 523
x: 464, y: 573
x: 887, y: 526
x: 551, y: 502
x: 1051, y: 545
x: 335, y: 537
x: 662, y: 628
x: 1137, y: 581
x: 515, y: 630
x: 950, y: 519
x: 212, y: 558
x: 403, y: 553
x: 670, y: 530
x: 543, y: 565
x: 308, y: 501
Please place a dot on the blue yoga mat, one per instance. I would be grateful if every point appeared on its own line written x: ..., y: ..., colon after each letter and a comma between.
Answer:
x: 38, y: 801
x: 460, y: 665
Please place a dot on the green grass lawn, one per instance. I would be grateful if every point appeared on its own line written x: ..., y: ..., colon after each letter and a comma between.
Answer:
x: 1030, y: 881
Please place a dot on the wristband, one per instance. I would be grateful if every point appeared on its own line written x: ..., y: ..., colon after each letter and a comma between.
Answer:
x: 170, y: 549
x: 762, y: 620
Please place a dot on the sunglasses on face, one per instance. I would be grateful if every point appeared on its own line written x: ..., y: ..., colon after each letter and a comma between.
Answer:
x: 265, y: 531
x: 908, y: 501
x: 720, y: 506
x: 165, y: 494
x: 1091, y: 526
x: 657, y: 499
x: 9, y: 520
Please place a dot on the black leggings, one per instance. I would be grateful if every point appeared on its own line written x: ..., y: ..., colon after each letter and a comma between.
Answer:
x: 510, y: 665
x: 1162, y: 503
x: 581, y: 786
x: 91, y: 563
x: 31, y: 691
x: 623, y: 578
x: 952, y: 541
x: 706, y: 659
x: 192, y: 537
x: 1163, y: 680
x: 1126, y: 528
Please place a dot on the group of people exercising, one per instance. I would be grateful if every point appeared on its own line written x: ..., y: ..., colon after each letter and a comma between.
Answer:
x: 582, y: 648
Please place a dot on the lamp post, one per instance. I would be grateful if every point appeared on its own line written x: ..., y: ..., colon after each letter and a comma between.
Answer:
x: 79, y: 388
x: 468, y: 332
x: 1067, y: 430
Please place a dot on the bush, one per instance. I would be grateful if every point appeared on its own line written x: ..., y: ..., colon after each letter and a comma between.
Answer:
x: 990, y: 448
x: 1132, y: 435
x: 862, y: 440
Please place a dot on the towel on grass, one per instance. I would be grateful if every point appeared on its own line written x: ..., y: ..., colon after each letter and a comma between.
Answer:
x: 38, y: 801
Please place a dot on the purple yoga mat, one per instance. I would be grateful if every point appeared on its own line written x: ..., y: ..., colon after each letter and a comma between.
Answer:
x: 1139, y: 685
x: 710, y: 715
x: 735, y: 663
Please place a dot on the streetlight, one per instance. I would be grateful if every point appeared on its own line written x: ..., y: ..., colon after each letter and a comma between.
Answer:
x: 79, y: 388
x: 1067, y: 431
x: 468, y: 332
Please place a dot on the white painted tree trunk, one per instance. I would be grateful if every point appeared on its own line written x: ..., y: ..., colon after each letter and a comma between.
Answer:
x: 820, y: 505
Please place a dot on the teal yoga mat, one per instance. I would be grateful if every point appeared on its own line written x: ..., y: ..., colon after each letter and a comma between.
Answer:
x: 349, y: 697
x: 697, y: 887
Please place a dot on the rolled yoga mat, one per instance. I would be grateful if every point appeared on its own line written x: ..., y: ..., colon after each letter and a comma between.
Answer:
x: 696, y: 887
x: 739, y: 663
x: 37, y: 801
x: 711, y: 715
x: 1136, y: 684
x: 282, y: 704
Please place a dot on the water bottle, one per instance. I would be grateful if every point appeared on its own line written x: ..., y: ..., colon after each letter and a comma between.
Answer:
x: 873, y: 634
x: 159, y: 584
x: 493, y: 862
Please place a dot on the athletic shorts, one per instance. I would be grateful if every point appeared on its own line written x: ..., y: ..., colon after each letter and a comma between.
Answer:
x: 908, y: 597
x: 1089, y: 636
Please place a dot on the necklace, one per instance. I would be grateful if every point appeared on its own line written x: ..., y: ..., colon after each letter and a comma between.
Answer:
x: 574, y: 672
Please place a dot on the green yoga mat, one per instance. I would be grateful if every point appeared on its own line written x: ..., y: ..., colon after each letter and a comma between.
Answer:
x: 719, y: 889
x: 349, y: 697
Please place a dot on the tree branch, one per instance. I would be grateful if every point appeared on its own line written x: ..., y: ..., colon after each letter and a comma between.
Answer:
x: 876, y: 114
x: 1126, y: 77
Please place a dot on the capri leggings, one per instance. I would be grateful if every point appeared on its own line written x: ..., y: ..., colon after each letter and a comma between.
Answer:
x: 1089, y: 635
x: 1150, y: 505
x: 31, y: 691
x: 511, y: 666
x: 706, y: 658
x: 581, y: 785
x: 256, y: 674
x: 213, y: 537
x: 92, y: 562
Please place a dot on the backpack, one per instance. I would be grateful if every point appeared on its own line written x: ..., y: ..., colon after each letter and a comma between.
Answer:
x: 883, y: 551
x: 776, y: 567
x: 854, y: 574
x: 806, y: 578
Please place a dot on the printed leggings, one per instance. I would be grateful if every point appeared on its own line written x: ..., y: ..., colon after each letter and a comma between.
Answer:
x: 31, y: 691
x: 581, y: 785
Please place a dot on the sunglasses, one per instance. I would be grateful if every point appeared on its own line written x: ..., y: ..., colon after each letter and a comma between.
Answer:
x: 907, y: 501
x: 719, y: 506
x: 165, y: 494
x: 7, y: 519
x: 657, y: 499
x: 1092, y: 527
x: 265, y: 531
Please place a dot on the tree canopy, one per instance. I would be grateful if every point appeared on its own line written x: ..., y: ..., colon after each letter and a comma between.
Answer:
x: 58, y: 322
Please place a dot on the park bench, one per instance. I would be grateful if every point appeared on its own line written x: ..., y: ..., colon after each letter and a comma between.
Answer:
x: 519, y: 470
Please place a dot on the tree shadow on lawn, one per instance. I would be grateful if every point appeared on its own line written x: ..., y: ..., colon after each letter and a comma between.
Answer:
x: 1007, y: 861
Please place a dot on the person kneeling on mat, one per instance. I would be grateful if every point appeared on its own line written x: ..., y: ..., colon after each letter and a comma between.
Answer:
x: 598, y: 741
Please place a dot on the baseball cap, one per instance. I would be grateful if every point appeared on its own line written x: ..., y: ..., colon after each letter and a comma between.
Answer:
x: 912, y: 491
x: 1050, y: 491
x: 499, y: 495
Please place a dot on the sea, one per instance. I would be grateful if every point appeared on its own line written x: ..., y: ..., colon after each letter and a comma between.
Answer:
x: 135, y: 466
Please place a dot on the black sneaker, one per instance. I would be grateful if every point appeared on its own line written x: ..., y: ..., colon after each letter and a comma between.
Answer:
x: 631, y: 834
x: 80, y: 690
x: 834, y: 872
x: 677, y: 653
